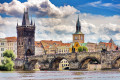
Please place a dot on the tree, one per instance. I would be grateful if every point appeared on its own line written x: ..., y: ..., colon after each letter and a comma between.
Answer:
x: 80, y: 49
x: 85, y: 48
x: 9, y: 54
x: 8, y: 64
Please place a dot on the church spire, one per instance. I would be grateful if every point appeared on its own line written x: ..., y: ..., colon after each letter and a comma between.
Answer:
x: 78, y: 26
x: 25, y: 20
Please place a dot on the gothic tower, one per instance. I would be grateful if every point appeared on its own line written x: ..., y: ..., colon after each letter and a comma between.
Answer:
x: 25, y: 37
x: 78, y: 36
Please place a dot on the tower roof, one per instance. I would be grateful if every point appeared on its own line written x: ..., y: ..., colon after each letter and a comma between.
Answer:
x: 78, y: 23
x: 111, y: 41
x: 25, y: 20
x: 78, y: 27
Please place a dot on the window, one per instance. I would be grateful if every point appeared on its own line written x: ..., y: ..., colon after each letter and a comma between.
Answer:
x: 76, y: 38
x: 2, y: 43
x: 62, y: 65
x: 81, y: 38
x: 1, y: 54
x: 76, y: 45
x: 2, y: 49
x: 19, y: 43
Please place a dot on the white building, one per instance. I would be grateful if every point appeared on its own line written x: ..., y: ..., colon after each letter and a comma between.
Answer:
x: 39, y: 48
x: 12, y: 44
x: 3, y: 47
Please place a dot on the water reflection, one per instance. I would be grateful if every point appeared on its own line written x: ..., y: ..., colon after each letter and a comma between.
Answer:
x: 60, y: 75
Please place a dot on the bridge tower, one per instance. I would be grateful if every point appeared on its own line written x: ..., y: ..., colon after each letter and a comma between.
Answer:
x: 78, y: 36
x: 25, y: 37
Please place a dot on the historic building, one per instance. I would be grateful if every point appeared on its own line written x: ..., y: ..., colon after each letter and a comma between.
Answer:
x: 39, y: 50
x: 64, y: 64
x: 74, y: 46
x: 12, y: 44
x: 25, y: 37
x: 91, y: 47
x: 3, y: 47
x: 63, y: 48
x: 78, y: 36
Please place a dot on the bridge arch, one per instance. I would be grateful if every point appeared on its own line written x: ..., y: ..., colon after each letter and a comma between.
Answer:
x: 116, y: 63
x: 83, y: 64
x: 54, y: 64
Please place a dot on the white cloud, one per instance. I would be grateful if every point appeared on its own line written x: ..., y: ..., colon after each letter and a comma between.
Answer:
x: 94, y: 4
x: 95, y: 27
x: 100, y: 4
x: 38, y: 7
x: 2, y: 35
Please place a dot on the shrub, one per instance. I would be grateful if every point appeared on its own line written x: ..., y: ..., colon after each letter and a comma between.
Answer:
x: 80, y: 49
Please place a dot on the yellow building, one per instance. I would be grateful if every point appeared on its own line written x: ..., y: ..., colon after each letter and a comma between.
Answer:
x: 74, y: 46
x: 64, y: 65
x: 78, y: 36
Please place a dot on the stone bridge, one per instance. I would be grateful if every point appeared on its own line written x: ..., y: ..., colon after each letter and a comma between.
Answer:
x: 76, y: 60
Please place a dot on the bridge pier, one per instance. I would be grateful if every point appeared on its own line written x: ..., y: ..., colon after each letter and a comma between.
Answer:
x: 106, y: 60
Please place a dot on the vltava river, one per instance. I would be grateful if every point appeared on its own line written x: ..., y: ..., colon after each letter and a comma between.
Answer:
x: 60, y: 75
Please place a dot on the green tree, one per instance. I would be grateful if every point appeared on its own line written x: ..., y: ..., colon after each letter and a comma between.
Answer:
x: 80, y: 49
x: 8, y: 64
x: 85, y: 48
x: 9, y: 54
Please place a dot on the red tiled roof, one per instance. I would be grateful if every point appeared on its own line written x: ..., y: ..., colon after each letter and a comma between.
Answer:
x: 47, y: 43
x: 11, y: 39
x: 38, y: 44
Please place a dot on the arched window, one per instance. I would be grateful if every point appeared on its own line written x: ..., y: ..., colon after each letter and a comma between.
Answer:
x: 19, y: 43
x: 81, y: 38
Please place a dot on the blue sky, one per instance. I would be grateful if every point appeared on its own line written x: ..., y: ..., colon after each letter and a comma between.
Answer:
x: 56, y: 19
x: 84, y: 7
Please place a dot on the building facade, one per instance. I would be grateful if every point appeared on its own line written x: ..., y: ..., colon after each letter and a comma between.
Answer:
x: 74, y: 46
x: 91, y: 47
x: 12, y: 44
x: 78, y: 36
x: 63, y: 48
x: 39, y: 50
x: 25, y: 37
x: 3, y: 47
x: 64, y: 64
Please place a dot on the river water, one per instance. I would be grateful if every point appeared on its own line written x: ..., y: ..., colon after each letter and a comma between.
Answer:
x: 60, y: 75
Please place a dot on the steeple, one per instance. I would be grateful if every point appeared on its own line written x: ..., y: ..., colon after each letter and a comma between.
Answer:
x: 111, y: 41
x: 17, y: 22
x: 34, y: 23
x: 31, y: 21
x: 25, y: 20
x: 78, y: 26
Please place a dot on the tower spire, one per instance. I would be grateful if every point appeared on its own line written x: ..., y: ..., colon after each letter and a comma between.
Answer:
x: 34, y: 23
x: 25, y: 20
x: 17, y: 22
x: 78, y: 26
x: 31, y: 20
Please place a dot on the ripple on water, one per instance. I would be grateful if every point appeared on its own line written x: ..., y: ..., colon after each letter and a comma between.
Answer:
x: 60, y: 75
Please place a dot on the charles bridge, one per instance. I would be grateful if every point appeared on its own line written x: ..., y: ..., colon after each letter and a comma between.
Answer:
x: 107, y: 59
